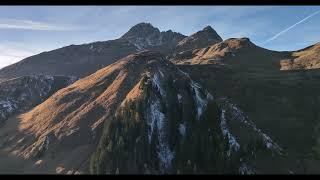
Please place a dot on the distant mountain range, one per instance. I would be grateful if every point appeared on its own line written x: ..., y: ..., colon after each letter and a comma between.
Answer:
x: 156, y: 102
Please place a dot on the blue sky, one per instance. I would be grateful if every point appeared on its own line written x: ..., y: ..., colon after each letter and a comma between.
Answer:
x: 28, y: 30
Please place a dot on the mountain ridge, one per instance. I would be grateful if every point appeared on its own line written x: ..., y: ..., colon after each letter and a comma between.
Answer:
x: 206, y: 36
x: 214, y: 106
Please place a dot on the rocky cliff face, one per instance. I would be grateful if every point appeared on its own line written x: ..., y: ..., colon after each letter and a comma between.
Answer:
x: 20, y: 94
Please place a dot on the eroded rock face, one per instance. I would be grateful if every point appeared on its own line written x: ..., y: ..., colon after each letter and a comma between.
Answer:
x: 20, y: 94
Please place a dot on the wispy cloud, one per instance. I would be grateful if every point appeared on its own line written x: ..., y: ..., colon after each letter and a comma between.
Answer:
x: 287, y: 29
x: 33, y: 25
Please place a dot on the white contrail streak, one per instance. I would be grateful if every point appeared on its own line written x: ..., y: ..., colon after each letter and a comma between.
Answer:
x: 287, y: 29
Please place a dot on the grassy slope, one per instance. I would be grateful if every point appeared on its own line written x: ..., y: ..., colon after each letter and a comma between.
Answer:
x: 283, y: 103
x: 307, y: 58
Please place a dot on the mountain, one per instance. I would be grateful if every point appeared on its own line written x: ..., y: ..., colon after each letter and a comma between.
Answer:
x: 138, y: 115
x: 307, y: 58
x: 74, y: 122
x: 207, y: 36
x: 281, y: 103
x: 278, y: 101
x: 82, y: 60
x: 234, y: 51
x: 242, y: 52
x: 146, y: 37
x: 257, y: 81
x: 23, y: 93
x: 156, y: 102
x: 73, y: 60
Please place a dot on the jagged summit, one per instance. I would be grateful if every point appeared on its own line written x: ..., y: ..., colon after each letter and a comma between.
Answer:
x: 140, y: 30
x: 146, y: 36
x: 205, y: 37
x: 208, y: 28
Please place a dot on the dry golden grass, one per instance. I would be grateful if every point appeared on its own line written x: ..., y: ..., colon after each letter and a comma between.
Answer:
x: 133, y: 94
x: 73, y: 117
x: 307, y: 58
x: 212, y: 54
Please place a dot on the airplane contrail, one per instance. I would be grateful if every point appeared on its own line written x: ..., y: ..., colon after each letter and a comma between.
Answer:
x: 287, y: 29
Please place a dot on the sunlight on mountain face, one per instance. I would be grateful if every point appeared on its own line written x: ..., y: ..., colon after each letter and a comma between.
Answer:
x: 158, y: 102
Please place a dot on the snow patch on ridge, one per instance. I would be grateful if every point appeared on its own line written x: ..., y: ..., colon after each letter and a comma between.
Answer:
x: 233, y: 144
x: 245, y: 169
x: 43, y: 83
x: 19, y: 95
x: 157, y: 122
x: 182, y: 129
x: 157, y: 84
x: 267, y: 141
x: 200, y: 101
x: 238, y: 115
x: 162, y: 75
x: 179, y: 98
x: 7, y: 107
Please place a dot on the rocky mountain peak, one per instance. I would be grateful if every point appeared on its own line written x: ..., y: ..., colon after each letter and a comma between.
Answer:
x: 141, y: 30
x: 207, y: 32
x: 203, y: 38
x: 208, y: 28
x: 145, y: 36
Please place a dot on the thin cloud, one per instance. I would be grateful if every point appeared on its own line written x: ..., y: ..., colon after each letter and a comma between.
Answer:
x: 287, y: 29
x: 33, y: 25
